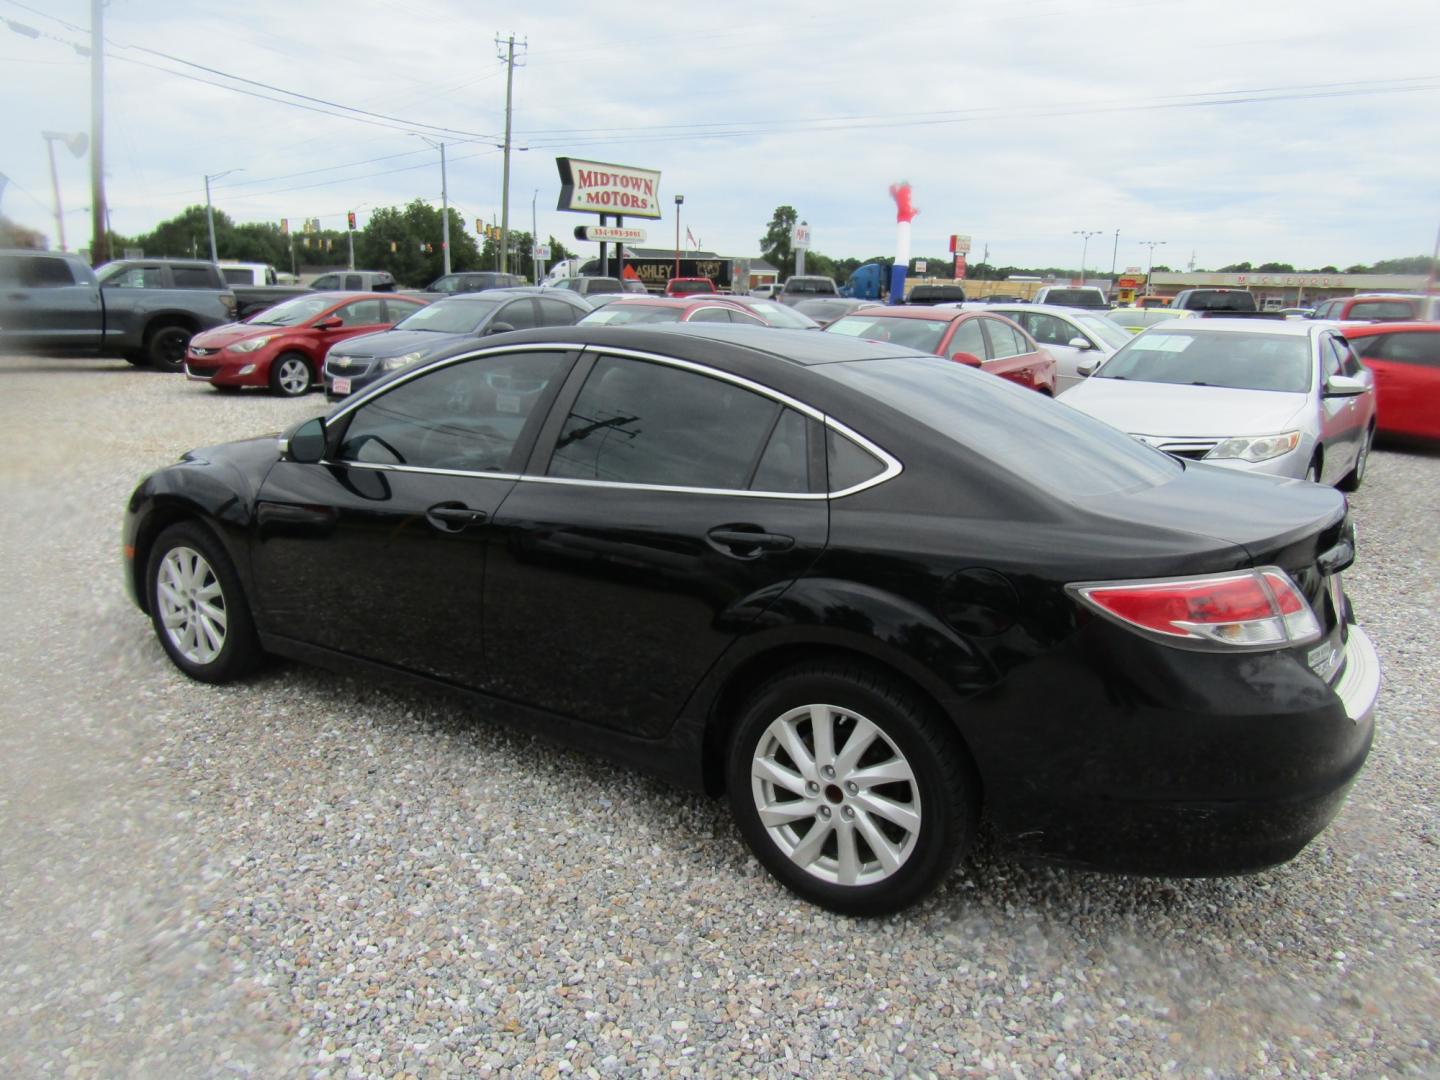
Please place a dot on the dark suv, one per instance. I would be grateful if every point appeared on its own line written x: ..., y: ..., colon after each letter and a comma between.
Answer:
x: 473, y: 281
x: 936, y: 294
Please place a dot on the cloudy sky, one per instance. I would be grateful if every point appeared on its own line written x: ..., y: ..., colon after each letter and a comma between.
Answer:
x: 1302, y: 132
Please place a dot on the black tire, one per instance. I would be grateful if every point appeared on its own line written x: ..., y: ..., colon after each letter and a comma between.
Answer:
x: 165, y: 346
x: 939, y: 788
x: 191, y: 582
x: 1352, y: 480
x: 1315, y: 469
x: 291, y: 375
x: 138, y: 359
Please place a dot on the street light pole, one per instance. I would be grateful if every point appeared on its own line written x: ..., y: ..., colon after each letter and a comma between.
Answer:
x: 209, y: 211
x: 1150, y: 264
x: 679, y: 200
x: 1084, y: 248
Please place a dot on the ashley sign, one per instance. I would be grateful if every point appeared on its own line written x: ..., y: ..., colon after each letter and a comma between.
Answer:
x: 595, y: 187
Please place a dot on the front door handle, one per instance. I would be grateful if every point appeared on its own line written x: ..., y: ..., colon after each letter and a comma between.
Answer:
x: 748, y: 541
x: 453, y: 517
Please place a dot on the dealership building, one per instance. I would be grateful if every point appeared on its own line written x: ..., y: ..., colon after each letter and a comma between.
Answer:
x: 1288, y: 290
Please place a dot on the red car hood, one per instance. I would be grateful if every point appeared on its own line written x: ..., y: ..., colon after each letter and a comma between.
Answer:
x: 220, y: 336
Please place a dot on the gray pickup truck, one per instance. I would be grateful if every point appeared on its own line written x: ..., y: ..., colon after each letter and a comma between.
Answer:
x: 146, y: 310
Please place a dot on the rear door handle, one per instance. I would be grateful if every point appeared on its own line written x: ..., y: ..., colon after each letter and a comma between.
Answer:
x: 748, y: 541
x: 453, y: 517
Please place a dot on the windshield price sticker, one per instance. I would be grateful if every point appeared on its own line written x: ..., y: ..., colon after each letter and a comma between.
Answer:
x: 1168, y: 343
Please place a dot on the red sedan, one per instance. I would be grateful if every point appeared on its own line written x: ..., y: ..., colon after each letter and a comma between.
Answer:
x: 284, y: 347
x: 990, y: 342
x: 1405, y: 358
x: 636, y: 310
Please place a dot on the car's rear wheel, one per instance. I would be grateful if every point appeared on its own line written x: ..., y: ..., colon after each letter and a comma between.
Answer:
x: 1352, y: 480
x: 198, y: 607
x: 851, y: 789
x: 290, y: 375
x: 165, y: 346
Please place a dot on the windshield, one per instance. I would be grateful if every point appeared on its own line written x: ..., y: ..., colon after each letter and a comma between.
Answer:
x: 780, y: 315
x: 1242, y: 361
x: 1090, y: 298
x: 291, y: 312
x: 680, y: 288
x: 622, y: 314
x: 450, y: 316
x: 1103, y: 329
x: 922, y: 334
x: 1055, y: 448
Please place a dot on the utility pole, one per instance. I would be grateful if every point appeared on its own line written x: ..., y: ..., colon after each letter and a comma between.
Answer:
x: 1115, y: 256
x: 509, y: 59
x: 444, y: 202
x: 100, y: 241
x: 1150, y: 264
x: 210, y: 213
x: 1085, y: 234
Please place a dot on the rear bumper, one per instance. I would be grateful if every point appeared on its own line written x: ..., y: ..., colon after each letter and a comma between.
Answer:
x: 1240, y: 778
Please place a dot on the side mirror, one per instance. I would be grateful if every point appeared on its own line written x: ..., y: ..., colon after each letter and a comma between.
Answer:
x: 1078, y: 342
x: 499, y: 328
x: 965, y: 358
x: 1087, y: 368
x: 1344, y: 386
x: 304, y: 444
x: 331, y: 323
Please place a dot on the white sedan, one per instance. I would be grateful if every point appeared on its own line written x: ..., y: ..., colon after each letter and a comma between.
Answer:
x: 1283, y: 397
x: 1070, y: 335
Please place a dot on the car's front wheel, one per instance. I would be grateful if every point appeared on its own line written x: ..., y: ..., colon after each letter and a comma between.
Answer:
x: 290, y: 375
x: 851, y: 789
x: 198, y: 607
x: 1352, y: 480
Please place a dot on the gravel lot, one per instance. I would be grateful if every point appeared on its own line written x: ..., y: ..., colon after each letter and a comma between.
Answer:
x: 308, y: 876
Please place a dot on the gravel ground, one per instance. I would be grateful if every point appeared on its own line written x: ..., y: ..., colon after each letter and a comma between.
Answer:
x: 308, y: 876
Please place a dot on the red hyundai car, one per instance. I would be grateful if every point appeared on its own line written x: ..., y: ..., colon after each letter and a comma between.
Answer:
x: 990, y: 342
x: 284, y: 347
x: 1405, y: 358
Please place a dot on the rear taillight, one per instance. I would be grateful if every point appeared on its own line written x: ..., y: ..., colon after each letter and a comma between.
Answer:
x: 1251, y: 609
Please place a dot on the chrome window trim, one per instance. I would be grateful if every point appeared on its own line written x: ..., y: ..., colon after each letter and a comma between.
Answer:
x: 891, y: 465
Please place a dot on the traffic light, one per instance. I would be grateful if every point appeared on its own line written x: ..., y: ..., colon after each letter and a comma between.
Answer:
x: 480, y: 226
x: 351, y: 218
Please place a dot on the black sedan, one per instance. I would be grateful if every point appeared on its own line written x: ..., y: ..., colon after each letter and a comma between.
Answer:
x: 877, y: 598
x: 355, y: 364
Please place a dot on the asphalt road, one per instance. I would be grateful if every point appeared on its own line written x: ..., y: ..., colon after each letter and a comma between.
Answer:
x: 306, y: 875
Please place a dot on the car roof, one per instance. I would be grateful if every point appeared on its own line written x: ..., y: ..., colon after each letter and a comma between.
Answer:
x: 489, y: 296
x: 693, y: 300
x: 691, y: 341
x: 346, y: 295
x: 1048, y: 309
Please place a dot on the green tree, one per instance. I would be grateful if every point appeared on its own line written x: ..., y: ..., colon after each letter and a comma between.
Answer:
x: 1415, y: 264
x: 775, y: 244
x: 15, y: 235
x: 395, y: 239
x: 1275, y: 268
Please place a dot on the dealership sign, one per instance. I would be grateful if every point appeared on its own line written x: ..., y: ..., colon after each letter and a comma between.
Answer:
x: 609, y: 233
x: 596, y: 187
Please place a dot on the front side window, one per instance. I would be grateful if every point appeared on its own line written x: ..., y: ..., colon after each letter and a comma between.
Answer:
x: 1005, y: 340
x: 637, y: 422
x: 360, y: 313
x: 968, y: 339
x: 468, y: 416
x: 518, y: 313
x: 1411, y: 347
x: 1382, y: 309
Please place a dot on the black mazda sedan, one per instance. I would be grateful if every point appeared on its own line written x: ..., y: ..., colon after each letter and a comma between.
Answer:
x: 878, y: 599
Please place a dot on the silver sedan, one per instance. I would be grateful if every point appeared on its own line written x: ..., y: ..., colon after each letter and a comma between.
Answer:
x: 1281, y: 397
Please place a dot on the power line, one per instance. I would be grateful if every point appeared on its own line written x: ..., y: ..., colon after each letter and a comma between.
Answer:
x: 406, y: 123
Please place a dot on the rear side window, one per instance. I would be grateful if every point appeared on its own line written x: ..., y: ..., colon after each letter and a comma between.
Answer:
x: 40, y: 272
x: 237, y: 275
x: 784, y: 464
x: 849, y: 463
x: 519, y: 313
x: 557, y: 313
x: 636, y: 422
x: 352, y: 281
x: 192, y: 277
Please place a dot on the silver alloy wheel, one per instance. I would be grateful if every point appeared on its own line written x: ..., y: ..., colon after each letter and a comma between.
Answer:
x: 192, y: 605
x: 293, y: 375
x: 837, y: 796
x: 1364, y: 455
